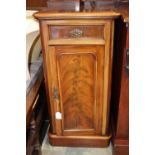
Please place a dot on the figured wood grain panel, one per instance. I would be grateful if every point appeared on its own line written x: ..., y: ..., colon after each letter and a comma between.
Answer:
x: 78, y: 74
x: 78, y: 85
x: 65, y: 32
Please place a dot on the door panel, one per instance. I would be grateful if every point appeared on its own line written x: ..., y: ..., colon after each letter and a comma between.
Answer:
x: 77, y: 77
x: 79, y: 72
x: 77, y: 82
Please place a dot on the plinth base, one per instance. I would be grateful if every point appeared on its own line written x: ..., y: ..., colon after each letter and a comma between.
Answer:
x: 79, y: 141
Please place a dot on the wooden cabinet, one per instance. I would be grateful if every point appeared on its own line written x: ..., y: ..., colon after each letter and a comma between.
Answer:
x: 120, y: 90
x: 78, y: 53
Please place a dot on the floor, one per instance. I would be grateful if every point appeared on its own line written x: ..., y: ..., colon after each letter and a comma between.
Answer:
x: 47, y: 149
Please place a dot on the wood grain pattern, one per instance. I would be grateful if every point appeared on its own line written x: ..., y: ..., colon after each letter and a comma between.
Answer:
x: 65, y: 32
x: 78, y: 102
x: 80, y: 69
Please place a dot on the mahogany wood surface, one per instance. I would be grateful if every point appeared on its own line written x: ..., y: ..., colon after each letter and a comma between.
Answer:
x: 120, y: 91
x: 77, y: 70
x: 78, y: 141
x: 35, y: 4
x: 66, y: 32
x: 48, y: 14
x: 78, y: 75
x: 85, y: 118
x: 60, y: 48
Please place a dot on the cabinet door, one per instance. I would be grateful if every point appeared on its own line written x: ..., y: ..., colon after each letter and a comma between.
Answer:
x: 77, y: 81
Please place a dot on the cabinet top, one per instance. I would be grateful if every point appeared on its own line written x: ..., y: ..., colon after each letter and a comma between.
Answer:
x: 102, y: 12
x: 75, y: 15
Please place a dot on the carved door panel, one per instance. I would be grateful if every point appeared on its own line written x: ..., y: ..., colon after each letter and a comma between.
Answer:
x: 77, y: 73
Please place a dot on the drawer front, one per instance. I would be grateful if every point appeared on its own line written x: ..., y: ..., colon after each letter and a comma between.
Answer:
x: 70, y: 32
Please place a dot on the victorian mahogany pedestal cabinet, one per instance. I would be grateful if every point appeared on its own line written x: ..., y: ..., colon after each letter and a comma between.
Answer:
x: 78, y: 54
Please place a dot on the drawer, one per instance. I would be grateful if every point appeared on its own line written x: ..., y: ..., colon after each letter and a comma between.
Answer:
x: 70, y: 32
